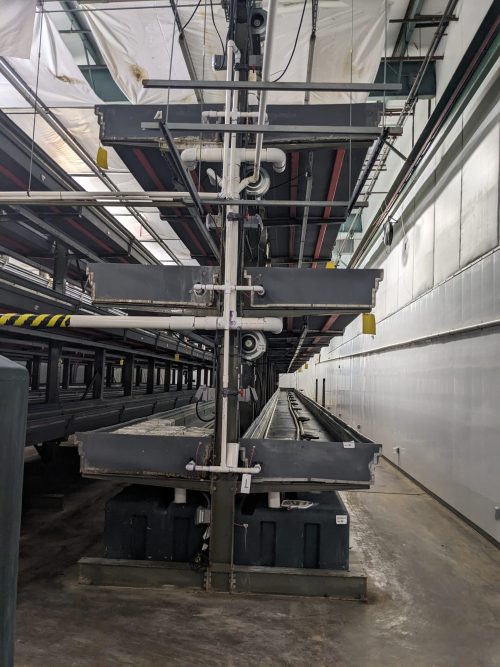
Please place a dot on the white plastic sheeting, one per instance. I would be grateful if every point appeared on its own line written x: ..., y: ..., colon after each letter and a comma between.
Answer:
x: 16, y: 27
x: 61, y: 86
x: 137, y: 44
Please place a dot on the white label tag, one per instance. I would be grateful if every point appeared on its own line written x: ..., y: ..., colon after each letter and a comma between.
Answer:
x: 341, y: 518
x: 349, y: 445
x: 246, y: 480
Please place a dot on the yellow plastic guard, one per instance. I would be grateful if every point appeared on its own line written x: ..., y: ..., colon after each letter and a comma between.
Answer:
x: 306, y: 366
x: 177, y: 356
x: 331, y: 265
x: 102, y: 158
x: 369, y: 324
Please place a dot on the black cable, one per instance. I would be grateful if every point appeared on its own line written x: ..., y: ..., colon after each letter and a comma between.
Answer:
x: 200, y: 417
x: 216, y: 28
x: 295, y: 44
x: 191, y: 17
x: 290, y: 180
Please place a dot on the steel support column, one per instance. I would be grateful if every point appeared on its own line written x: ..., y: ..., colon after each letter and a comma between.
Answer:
x: 98, y: 376
x: 65, y: 373
x: 150, y: 377
x: 109, y: 374
x: 180, y: 382
x: 168, y: 376
x: 52, y: 384
x: 60, y: 267
x: 35, y: 373
x: 128, y: 374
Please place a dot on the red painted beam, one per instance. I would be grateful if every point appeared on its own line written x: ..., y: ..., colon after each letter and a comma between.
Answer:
x: 334, y: 180
x: 332, y: 189
x: 326, y: 327
x: 294, y: 181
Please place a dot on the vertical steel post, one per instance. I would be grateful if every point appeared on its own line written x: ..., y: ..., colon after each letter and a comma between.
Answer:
x: 60, y: 268
x: 168, y: 375
x: 52, y: 383
x: 35, y: 373
x: 190, y: 377
x: 99, y: 366
x: 109, y: 374
x: 138, y: 376
x: 150, y: 376
x: 128, y: 374
x: 180, y: 383
x: 14, y: 383
x: 65, y: 373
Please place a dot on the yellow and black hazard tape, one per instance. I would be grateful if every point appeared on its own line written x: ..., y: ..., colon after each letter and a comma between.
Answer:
x: 34, y: 321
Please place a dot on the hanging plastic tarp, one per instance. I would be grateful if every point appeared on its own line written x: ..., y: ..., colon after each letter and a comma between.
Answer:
x: 137, y: 44
x: 58, y: 83
x: 140, y: 44
x: 16, y: 27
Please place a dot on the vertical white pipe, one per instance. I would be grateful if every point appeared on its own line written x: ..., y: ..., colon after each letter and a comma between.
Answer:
x: 274, y: 499
x: 227, y: 116
x: 230, y: 168
x: 266, y: 66
x: 180, y: 496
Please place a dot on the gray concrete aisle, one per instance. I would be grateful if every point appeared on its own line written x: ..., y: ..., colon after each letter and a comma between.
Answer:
x: 434, y: 598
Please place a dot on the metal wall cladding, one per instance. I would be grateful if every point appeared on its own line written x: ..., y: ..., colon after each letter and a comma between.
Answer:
x: 433, y: 401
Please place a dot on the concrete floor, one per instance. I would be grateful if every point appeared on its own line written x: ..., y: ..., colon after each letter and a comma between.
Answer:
x: 434, y: 588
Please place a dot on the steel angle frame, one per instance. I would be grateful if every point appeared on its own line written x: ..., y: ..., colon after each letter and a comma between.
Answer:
x: 280, y: 86
x: 332, y: 131
x: 338, y: 584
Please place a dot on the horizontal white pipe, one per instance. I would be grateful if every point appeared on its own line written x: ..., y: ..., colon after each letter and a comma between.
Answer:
x: 191, y: 156
x: 232, y: 115
x: 200, y: 287
x: 192, y: 467
x: 174, y: 323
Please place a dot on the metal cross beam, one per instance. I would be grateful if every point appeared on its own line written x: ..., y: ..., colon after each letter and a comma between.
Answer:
x: 331, y: 130
x: 280, y: 86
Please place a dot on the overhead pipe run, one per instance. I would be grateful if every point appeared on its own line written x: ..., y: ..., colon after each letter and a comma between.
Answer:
x: 167, y: 323
x: 191, y: 156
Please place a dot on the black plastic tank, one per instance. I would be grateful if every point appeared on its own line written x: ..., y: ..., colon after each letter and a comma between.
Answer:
x: 144, y: 523
x: 317, y: 537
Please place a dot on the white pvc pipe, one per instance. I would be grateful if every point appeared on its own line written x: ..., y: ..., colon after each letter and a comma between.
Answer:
x: 231, y: 47
x: 191, y: 156
x: 199, y: 288
x: 180, y: 496
x: 233, y: 451
x: 266, y: 62
x: 192, y: 467
x: 274, y: 500
x: 175, y: 323
x: 234, y: 116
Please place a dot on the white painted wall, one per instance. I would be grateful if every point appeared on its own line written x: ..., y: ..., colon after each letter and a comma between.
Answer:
x: 419, y: 385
